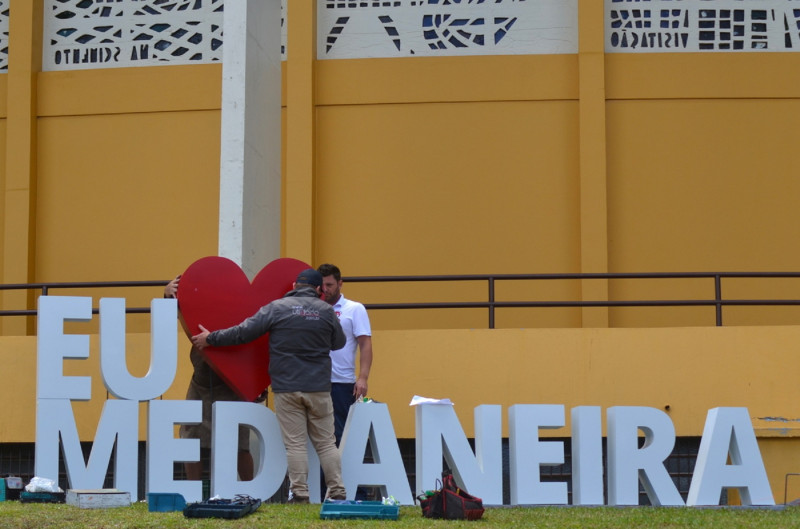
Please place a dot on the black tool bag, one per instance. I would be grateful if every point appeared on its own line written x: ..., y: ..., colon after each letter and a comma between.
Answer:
x: 450, y: 502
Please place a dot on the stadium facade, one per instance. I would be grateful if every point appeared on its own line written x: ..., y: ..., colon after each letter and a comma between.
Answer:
x: 428, y: 138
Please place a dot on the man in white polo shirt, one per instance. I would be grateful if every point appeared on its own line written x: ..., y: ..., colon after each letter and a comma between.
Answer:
x: 346, y: 386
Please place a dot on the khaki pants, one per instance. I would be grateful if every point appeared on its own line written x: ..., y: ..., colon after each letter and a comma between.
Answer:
x: 305, y: 416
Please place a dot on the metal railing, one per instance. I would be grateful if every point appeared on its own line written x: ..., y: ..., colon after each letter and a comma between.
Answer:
x: 491, y: 304
x: 45, y: 288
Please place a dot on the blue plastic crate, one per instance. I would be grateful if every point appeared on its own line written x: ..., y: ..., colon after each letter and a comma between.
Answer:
x: 363, y: 510
x: 165, y: 501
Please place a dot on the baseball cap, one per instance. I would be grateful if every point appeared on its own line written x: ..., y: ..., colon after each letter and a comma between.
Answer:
x: 309, y: 276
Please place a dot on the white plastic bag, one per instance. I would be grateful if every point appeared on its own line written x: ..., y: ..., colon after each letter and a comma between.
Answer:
x: 38, y: 484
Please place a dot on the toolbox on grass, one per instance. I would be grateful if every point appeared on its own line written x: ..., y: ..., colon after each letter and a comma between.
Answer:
x: 364, y: 510
x: 42, y: 497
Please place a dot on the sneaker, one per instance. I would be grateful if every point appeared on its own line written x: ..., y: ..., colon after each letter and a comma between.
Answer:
x: 298, y: 500
x: 338, y: 497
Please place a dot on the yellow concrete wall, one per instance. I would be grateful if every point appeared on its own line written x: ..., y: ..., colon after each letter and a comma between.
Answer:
x: 19, y: 198
x: 3, y: 96
x: 128, y: 176
x: 701, y: 178
x: 3, y: 99
x: 691, y: 370
x: 2, y: 193
x: 781, y: 457
x: 518, y: 164
x: 119, y: 200
x: 18, y: 356
x: 486, y: 164
x: 483, y: 179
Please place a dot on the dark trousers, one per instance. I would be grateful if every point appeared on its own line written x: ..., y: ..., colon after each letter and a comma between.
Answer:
x: 342, y: 397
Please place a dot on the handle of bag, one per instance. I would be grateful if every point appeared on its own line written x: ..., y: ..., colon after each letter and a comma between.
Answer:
x: 424, y: 495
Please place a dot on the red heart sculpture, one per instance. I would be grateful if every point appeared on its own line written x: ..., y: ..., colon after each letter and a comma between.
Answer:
x: 215, y: 293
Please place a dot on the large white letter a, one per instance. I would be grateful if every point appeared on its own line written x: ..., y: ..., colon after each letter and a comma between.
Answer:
x: 728, y: 431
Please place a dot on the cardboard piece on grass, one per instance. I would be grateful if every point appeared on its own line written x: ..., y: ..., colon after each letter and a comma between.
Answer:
x: 215, y: 292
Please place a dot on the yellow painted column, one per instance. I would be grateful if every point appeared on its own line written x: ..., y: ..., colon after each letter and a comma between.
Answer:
x: 592, y: 138
x: 298, y: 229
x: 19, y: 208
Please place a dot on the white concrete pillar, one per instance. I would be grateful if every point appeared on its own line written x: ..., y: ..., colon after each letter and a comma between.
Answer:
x: 250, y: 154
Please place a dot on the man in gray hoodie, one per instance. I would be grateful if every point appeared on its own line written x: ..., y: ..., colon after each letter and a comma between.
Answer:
x: 303, y: 330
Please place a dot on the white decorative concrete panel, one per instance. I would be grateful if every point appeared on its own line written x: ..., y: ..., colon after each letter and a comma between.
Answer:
x: 648, y: 26
x: 284, y: 24
x: 4, y: 36
x: 355, y: 29
x: 81, y: 34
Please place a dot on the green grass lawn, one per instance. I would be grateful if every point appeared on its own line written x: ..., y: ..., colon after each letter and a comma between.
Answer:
x: 15, y: 515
